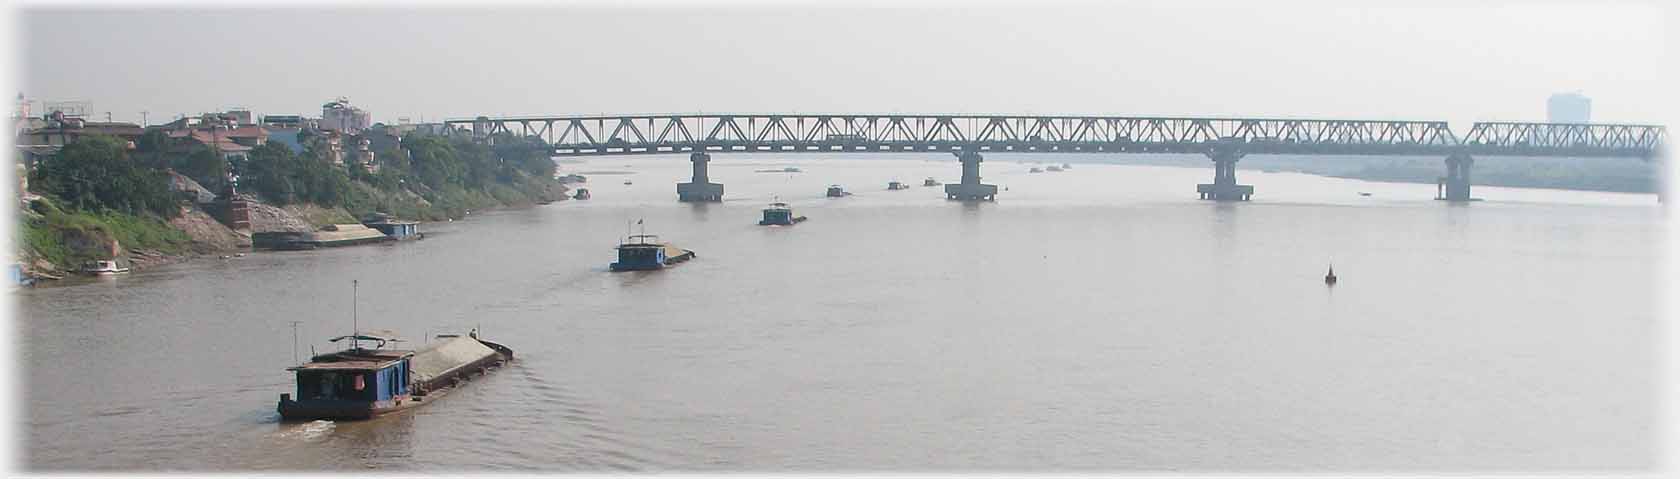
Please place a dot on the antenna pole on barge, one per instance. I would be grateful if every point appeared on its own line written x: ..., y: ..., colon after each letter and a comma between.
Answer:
x: 355, y: 324
x: 295, y: 342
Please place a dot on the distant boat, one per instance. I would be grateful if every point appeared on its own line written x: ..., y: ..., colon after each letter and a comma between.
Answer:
x: 103, y: 268
x: 780, y: 214
x: 581, y: 194
x: 1364, y: 194
x: 835, y: 191
x: 1330, y: 278
x: 626, y: 182
x: 930, y: 182
x: 1035, y: 170
x: 1066, y: 166
x: 1053, y: 168
x: 894, y: 185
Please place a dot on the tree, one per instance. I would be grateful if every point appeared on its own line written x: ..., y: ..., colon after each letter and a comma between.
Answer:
x: 203, y: 166
x: 94, y: 173
x: 152, y: 141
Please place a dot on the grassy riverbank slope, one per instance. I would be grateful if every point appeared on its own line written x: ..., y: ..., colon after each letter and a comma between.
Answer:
x: 100, y: 199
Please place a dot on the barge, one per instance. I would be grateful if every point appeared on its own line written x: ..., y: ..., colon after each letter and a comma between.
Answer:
x: 395, y: 229
x: 328, y: 236
x: 645, y: 252
x: 780, y: 214
x: 362, y: 383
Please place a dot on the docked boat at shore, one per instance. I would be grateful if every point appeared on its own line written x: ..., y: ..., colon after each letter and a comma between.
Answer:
x: 103, y: 268
x: 394, y: 228
x: 327, y: 236
x: 361, y: 383
x: 645, y: 252
x: 780, y: 214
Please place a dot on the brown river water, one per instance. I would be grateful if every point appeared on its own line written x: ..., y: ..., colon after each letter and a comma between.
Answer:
x: 1099, y: 319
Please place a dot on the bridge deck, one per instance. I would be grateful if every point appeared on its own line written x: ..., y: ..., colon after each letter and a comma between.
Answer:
x: 652, y: 134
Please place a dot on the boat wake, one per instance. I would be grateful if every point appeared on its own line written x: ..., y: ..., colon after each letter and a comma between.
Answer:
x: 310, y: 431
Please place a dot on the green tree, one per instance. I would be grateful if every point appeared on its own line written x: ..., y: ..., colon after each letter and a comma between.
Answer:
x: 204, y: 166
x: 94, y: 173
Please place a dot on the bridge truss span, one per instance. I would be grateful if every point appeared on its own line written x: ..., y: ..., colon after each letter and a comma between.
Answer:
x: 1565, y: 139
x: 642, y: 134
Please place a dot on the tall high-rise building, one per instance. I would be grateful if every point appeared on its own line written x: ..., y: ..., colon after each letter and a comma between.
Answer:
x: 1568, y: 108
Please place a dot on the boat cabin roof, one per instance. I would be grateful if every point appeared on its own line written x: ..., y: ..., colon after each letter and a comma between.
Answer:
x: 380, y: 337
x: 638, y: 240
x: 354, y: 360
x: 778, y: 205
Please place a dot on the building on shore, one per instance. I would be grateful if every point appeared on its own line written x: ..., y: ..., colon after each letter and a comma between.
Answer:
x: 41, y: 138
x: 220, y: 132
x: 338, y: 115
x: 1568, y: 108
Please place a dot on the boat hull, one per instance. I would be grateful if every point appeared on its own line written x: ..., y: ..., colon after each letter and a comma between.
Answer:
x: 291, y: 410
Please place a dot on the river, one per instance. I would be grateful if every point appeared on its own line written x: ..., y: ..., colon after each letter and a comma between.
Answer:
x: 1101, y: 318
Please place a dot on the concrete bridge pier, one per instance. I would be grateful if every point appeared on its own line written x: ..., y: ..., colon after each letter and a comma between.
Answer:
x: 1224, y: 186
x: 1456, y: 185
x: 970, y: 189
x: 701, y: 188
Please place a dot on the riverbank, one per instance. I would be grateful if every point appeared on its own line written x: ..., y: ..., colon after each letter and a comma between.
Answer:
x: 55, y: 242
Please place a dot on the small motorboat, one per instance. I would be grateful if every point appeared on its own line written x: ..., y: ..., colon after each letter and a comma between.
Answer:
x: 780, y: 214
x: 103, y: 268
x: 835, y: 191
x: 930, y: 182
x: 1330, y: 278
x: 581, y: 194
x: 894, y: 185
x: 626, y: 182
x: 1362, y: 193
x: 1035, y: 170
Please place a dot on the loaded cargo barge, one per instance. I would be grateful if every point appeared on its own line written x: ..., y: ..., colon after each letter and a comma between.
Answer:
x: 328, y: 236
x: 645, y: 252
x: 361, y: 383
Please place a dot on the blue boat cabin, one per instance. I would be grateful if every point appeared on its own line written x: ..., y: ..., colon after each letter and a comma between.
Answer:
x: 355, y: 383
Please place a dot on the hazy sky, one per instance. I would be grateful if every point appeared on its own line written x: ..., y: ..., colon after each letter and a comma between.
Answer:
x: 1439, y: 61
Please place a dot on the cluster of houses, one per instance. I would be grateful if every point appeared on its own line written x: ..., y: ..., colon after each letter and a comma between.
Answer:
x: 345, y: 130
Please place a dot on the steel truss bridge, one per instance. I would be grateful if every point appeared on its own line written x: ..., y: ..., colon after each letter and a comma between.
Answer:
x: 1225, y: 140
x: 645, y: 134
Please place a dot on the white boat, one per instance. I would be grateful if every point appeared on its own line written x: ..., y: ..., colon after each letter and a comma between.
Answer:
x: 103, y: 267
